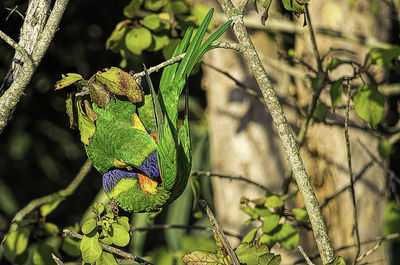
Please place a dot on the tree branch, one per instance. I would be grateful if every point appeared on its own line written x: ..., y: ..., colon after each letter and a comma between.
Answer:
x: 9, y: 100
x: 110, y: 249
x: 284, y: 131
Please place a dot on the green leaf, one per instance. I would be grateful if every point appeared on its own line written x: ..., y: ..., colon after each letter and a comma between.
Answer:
x: 270, y: 223
x: 320, y: 112
x: 15, y: 243
x: 301, y: 215
x: 250, y: 254
x: 51, y: 228
x: 385, y: 147
x: 69, y: 104
x: 199, y: 257
x: 249, y: 211
x: 287, y: 236
x: 42, y: 255
x: 199, y: 12
x: 90, y: 247
x: 99, y: 208
x: 293, y: 5
x: 162, y: 256
x: 132, y: 8
x: 392, y: 218
x: 274, y: 201
x: 67, y: 80
x: 332, y: 63
x: 88, y: 226
x: 158, y: 43
x: 55, y: 200
x: 254, y: 4
x: 336, y: 92
x: 266, y: 258
x: 267, y: 239
x: 151, y: 22
x: 154, y: 5
x: 177, y: 7
x: 369, y: 104
x: 71, y: 246
x: 276, y: 260
x: 118, y: 235
x: 124, y: 221
x: 249, y: 237
x: 384, y: 56
x: 266, y: 5
x: 169, y: 49
x: 261, y: 211
x: 337, y: 261
x: 137, y: 40
x: 86, y: 128
x: 115, y: 41
x: 106, y: 259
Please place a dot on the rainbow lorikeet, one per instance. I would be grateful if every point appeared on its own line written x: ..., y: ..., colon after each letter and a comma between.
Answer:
x: 134, y: 140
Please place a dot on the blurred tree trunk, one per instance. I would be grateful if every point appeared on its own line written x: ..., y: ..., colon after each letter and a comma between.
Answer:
x: 244, y: 141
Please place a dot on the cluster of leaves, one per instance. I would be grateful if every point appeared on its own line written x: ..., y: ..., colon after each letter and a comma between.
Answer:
x: 108, y: 228
x: 35, y: 239
x: 247, y: 253
x: 154, y: 25
x: 269, y: 216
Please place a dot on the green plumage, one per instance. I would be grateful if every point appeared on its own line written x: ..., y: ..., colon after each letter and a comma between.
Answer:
x: 134, y: 140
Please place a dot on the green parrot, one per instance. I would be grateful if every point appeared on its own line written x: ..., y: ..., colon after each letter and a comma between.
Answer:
x: 135, y: 141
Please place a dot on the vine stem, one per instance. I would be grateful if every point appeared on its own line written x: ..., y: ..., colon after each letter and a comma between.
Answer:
x: 284, y: 130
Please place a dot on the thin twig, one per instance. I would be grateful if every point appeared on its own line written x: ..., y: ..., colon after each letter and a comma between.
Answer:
x: 17, y: 47
x: 353, y: 194
x: 211, y: 174
x: 56, y: 259
x: 110, y: 249
x: 309, y: 262
x: 218, y: 232
x: 36, y: 203
x: 358, y: 177
x: 12, y: 11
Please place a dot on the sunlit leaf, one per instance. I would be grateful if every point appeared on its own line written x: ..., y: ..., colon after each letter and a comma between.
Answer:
x: 300, y: 215
x: 385, y: 147
x: 118, y: 235
x: 132, y: 8
x: 270, y: 222
x: 67, y: 80
x: 249, y: 237
x: 199, y: 257
x: 369, y: 104
x: 287, y: 236
x: 337, y: 261
x: 16, y: 243
x: 55, y: 200
x: 336, y: 92
x: 138, y: 39
x: 42, y: 255
x: 320, y: 112
x: 154, y: 5
x: 51, y: 228
x: 106, y: 259
x: 158, y: 43
x: 88, y: 226
x: 115, y: 41
x: 384, y: 56
x: 266, y: 5
x: 274, y: 201
x: 250, y: 253
x: 90, y: 247
x: 332, y: 63
x: 150, y: 21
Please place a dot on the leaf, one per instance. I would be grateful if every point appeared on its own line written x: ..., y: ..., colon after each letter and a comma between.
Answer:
x: 90, y: 247
x: 301, y: 215
x: 124, y: 221
x: 266, y: 5
x: 15, y: 243
x: 276, y: 260
x: 150, y: 21
x: 267, y: 239
x: 118, y: 235
x: 118, y: 82
x: 254, y: 4
x: 249, y: 237
x: 392, y: 218
x: 158, y: 43
x: 137, y: 40
x: 67, y: 80
x: 154, y: 5
x: 51, y: 229
x: 132, y: 8
x: 177, y: 7
x: 332, y: 63
x: 369, y: 104
x: 88, y: 226
x: 287, y: 236
x: 106, y: 259
x: 320, y: 112
x: 384, y: 56
x: 99, y: 208
x: 261, y: 211
x: 249, y: 211
x: 85, y: 125
x: 250, y: 254
x: 293, y: 5
x: 270, y: 223
x: 336, y: 92
x: 55, y: 200
x: 199, y: 12
x: 385, y: 148
x: 115, y: 41
x: 71, y: 246
x: 200, y: 257
x: 69, y: 104
x: 274, y: 201
x: 42, y: 255
x: 337, y: 261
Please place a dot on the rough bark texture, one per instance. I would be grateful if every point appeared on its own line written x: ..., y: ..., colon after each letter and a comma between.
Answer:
x: 244, y: 142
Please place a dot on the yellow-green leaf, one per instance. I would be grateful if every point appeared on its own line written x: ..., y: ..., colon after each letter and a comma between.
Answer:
x: 369, y: 104
x: 138, y: 39
x: 67, y: 80
x: 90, y: 247
x: 16, y: 243
x: 385, y: 147
x: 88, y: 226
x: 55, y: 200
x: 132, y: 8
x: 300, y: 215
x: 270, y: 223
x: 118, y: 235
x: 151, y: 22
x: 336, y: 92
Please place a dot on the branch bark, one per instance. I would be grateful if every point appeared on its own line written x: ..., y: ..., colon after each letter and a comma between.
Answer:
x: 38, y: 39
x: 284, y: 130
